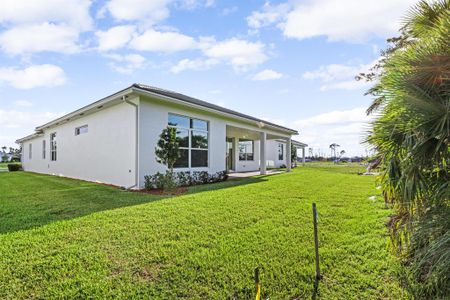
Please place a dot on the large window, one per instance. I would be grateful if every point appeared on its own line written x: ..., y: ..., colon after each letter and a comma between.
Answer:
x: 192, y: 137
x: 280, y: 151
x: 246, y: 149
x: 53, y: 146
x: 30, y: 151
x: 43, y: 149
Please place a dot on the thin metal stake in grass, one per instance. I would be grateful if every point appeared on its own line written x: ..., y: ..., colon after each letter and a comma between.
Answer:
x: 257, y: 284
x: 316, y: 241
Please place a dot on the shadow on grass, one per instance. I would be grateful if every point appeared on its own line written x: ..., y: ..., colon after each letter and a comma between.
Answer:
x: 30, y: 200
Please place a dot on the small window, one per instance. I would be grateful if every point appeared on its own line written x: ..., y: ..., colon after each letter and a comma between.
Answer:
x: 280, y: 151
x: 53, y: 146
x: 81, y: 130
x: 43, y: 149
x: 30, y: 151
x: 246, y: 148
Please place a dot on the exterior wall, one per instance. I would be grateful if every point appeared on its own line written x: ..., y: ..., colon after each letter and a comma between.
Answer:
x: 153, y: 116
x: 272, y: 154
x: 106, y: 153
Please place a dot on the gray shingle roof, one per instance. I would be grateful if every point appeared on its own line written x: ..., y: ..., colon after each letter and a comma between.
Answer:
x: 191, y: 100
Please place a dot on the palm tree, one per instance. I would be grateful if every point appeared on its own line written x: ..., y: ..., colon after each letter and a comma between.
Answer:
x: 333, y: 150
x: 411, y: 137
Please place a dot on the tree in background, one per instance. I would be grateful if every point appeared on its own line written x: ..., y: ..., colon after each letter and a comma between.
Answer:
x: 411, y: 137
x: 333, y: 150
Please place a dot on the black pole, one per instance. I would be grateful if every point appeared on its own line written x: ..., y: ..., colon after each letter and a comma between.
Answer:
x: 316, y: 240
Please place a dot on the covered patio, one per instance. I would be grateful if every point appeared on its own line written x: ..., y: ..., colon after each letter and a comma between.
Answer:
x: 248, y: 150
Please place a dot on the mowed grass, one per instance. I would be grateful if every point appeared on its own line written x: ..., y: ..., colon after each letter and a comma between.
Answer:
x: 63, y: 238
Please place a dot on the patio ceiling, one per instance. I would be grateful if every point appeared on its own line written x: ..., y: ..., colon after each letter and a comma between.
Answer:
x: 245, y: 133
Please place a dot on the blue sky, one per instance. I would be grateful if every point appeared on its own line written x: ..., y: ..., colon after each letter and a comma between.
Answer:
x: 290, y: 62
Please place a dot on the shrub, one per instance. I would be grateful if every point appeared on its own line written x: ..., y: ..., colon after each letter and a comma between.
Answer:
x: 14, y: 167
x: 172, y: 180
x: 183, y: 178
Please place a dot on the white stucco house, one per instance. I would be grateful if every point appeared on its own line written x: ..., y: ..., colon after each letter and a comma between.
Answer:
x: 113, y: 140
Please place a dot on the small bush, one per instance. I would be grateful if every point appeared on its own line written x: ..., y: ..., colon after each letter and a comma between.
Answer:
x: 14, y: 167
x: 184, y: 178
x: 172, y: 180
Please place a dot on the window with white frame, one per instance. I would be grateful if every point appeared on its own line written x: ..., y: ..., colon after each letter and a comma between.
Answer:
x: 53, y: 146
x: 192, y: 138
x: 81, y: 130
x: 44, y: 149
x: 30, y: 151
x: 280, y: 151
x: 246, y: 149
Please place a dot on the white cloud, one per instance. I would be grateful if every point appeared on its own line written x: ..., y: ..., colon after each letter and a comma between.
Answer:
x: 193, y: 64
x: 115, y: 37
x: 338, y: 20
x: 157, y: 41
x: 33, y: 76
x: 23, y: 103
x: 147, y: 11
x: 240, y: 54
x: 192, y: 4
x: 267, y: 75
x: 229, y: 10
x: 345, y: 20
x: 43, y: 25
x: 344, y: 127
x: 18, y: 124
x: 339, y: 76
x: 268, y: 15
x: 42, y: 37
x: 126, y: 64
x: 74, y: 13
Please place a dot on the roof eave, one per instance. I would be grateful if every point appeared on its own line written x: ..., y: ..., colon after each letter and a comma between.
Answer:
x: 79, y: 112
x: 198, y: 106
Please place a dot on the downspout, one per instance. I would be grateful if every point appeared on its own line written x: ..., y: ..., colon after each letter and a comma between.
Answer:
x: 136, y: 167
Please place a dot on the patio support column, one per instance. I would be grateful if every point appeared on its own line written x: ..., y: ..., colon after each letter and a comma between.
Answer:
x: 235, y: 142
x: 288, y: 155
x: 262, y: 153
x: 303, y: 156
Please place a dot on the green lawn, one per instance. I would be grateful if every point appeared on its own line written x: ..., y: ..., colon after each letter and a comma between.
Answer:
x: 62, y: 238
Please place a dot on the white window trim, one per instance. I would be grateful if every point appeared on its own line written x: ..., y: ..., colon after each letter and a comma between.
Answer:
x: 253, y: 150
x: 77, y: 129
x: 189, y: 148
x: 282, y: 151
x: 44, y: 149
x: 52, y: 149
